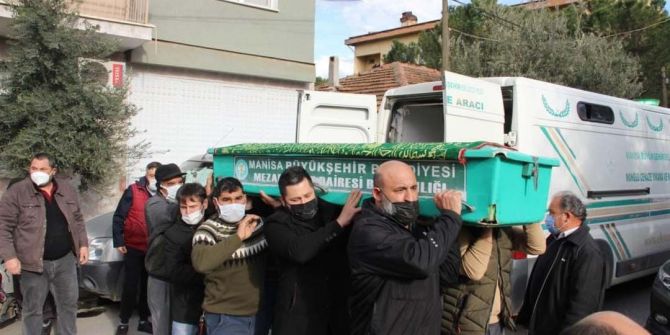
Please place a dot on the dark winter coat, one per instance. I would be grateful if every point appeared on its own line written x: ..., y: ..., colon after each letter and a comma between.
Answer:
x: 313, y: 272
x: 396, y: 272
x: 567, y: 284
x: 187, y: 289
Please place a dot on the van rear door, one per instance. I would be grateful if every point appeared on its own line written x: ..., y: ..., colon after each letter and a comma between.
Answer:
x: 329, y: 117
x: 473, y: 110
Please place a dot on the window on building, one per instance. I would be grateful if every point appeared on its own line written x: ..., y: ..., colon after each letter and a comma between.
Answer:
x: 267, y: 4
x: 595, y: 113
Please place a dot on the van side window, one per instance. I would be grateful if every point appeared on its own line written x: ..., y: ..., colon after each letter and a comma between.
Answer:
x: 595, y: 113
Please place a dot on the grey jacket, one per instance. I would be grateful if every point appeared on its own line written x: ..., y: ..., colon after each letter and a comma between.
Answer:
x: 160, y: 214
x: 23, y: 222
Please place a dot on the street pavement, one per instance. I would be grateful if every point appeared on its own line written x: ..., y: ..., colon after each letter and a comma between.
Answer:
x: 631, y: 299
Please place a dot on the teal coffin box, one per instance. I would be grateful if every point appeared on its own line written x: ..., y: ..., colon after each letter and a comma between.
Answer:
x: 500, y: 186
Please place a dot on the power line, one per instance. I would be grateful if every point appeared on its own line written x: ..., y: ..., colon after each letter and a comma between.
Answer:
x: 474, y: 36
x: 639, y: 29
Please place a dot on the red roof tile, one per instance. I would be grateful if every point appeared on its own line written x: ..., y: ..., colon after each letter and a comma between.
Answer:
x: 383, y: 78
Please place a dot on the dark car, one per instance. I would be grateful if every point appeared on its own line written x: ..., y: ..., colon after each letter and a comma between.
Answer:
x: 659, y: 317
x: 103, y: 274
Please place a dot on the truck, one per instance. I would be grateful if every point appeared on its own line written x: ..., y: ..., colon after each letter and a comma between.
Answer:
x: 614, y: 152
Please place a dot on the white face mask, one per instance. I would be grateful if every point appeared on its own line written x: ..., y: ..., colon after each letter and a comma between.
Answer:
x: 193, y: 218
x: 172, y: 192
x: 231, y: 213
x: 40, y: 178
x: 151, y: 185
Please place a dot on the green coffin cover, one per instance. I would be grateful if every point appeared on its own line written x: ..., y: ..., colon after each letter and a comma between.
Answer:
x: 406, y: 151
x: 506, y: 186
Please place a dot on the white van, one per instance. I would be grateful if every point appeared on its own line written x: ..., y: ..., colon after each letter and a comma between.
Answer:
x: 614, y: 153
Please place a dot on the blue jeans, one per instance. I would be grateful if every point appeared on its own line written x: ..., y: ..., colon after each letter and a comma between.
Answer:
x: 222, y: 324
x: 179, y: 328
x: 60, y: 277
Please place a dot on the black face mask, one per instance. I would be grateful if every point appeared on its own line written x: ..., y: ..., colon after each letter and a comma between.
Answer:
x: 306, y: 211
x: 406, y: 212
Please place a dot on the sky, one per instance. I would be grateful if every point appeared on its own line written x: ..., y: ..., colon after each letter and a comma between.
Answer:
x: 337, y: 20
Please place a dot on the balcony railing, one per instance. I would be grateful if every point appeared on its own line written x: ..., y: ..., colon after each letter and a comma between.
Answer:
x: 136, y: 11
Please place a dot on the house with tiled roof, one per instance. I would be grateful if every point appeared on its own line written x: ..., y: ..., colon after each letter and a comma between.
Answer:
x: 383, y: 78
x: 369, y: 49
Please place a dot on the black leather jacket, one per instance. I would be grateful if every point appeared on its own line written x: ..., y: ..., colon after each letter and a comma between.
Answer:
x: 396, y: 273
x: 567, y: 284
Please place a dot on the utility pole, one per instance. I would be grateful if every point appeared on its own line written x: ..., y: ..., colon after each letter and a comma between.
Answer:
x: 445, y: 36
x: 664, y: 87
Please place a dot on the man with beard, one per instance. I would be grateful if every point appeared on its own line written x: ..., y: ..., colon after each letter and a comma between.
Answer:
x: 395, y: 262
x: 309, y: 237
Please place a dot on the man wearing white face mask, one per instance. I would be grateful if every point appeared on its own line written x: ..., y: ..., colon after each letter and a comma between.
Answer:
x: 129, y: 230
x: 42, y: 238
x: 230, y: 250
x: 187, y: 286
x: 160, y: 213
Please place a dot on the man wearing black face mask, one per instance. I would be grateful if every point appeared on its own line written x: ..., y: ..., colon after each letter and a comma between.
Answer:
x: 309, y: 239
x: 395, y: 263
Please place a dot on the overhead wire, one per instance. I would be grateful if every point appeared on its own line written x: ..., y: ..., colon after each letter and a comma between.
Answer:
x: 473, y: 36
x: 640, y: 29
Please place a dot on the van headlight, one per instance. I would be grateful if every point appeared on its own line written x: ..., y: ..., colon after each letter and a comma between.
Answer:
x: 664, y: 275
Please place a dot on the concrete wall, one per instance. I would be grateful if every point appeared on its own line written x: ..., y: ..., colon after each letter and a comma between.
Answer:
x: 196, y: 58
x: 286, y: 35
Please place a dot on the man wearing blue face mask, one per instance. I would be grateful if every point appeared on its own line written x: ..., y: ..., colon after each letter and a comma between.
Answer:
x: 230, y: 250
x: 568, y: 280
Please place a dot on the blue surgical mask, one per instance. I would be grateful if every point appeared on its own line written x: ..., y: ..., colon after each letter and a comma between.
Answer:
x: 550, y: 223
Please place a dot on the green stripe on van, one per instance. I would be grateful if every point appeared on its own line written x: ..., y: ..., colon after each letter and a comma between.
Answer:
x: 618, y: 234
x: 560, y: 134
x: 628, y: 216
x: 616, y: 203
x: 609, y: 239
x: 546, y: 134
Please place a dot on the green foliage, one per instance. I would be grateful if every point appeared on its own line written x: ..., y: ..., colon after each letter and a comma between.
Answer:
x: 491, y: 40
x: 540, y: 45
x: 400, y: 52
x: 51, y: 103
x: 643, y: 27
x: 430, y: 47
x: 320, y: 81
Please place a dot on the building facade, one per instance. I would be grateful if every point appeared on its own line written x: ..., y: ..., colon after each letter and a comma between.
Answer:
x: 204, y: 73
x: 369, y: 49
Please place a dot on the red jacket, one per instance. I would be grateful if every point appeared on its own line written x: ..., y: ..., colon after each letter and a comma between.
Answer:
x: 129, y: 227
